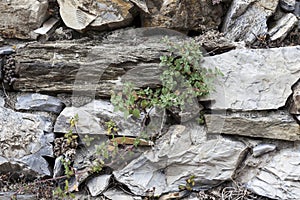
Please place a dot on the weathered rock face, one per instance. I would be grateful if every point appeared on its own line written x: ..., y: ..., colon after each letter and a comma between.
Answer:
x: 279, y: 179
x: 79, y: 14
x: 287, y: 5
x: 183, y: 15
x: 38, y: 102
x: 295, y: 104
x: 93, y: 67
x: 246, y: 20
x: 98, y: 184
x: 23, y: 142
x: 20, y: 18
x: 255, y: 79
x: 174, y: 159
x: 92, y: 118
x: 283, y: 27
x: 273, y: 125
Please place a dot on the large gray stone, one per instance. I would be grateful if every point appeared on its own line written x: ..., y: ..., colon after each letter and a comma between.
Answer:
x: 19, y: 19
x: 39, y: 102
x: 92, y: 118
x: 274, y: 125
x: 246, y: 20
x: 279, y: 179
x: 255, y: 79
x: 175, y: 158
x: 24, y: 142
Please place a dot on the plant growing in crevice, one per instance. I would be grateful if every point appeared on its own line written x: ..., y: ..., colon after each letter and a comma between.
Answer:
x: 190, y: 183
x: 182, y: 79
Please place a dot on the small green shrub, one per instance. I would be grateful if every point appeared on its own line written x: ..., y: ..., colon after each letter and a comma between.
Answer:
x: 182, y: 79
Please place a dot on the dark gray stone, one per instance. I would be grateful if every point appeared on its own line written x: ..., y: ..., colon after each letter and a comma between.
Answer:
x: 287, y: 5
x: 39, y: 102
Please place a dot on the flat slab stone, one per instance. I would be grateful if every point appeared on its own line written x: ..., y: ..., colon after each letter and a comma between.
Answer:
x: 255, y: 79
x: 274, y: 125
x: 92, y: 118
x: 39, y: 102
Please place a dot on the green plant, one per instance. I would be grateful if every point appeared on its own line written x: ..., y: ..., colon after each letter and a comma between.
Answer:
x: 201, y: 118
x: 68, y: 170
x: 182, y: 79
x: 111, y: 127
x: 190, y: 183
x: 63, y: 193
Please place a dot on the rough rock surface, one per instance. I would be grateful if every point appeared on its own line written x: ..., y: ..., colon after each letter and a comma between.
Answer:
x: 23, y: 142
x: 283, y: 27
x: 19, y: 19
x: 92, y: 118
x: 183, y: 15
x: 295, y: 103
x: 259, y: 79
x: 39, y: 102
x: 2, y: 101
x: 93, y: 67
x: 246, y: 20
x: 287, y: 5
x: 118, y: 194
x: 274, y: 125
x: 175, y: 158
x: 79, y: 14
x: 279, y: 179
x: 98, y: 184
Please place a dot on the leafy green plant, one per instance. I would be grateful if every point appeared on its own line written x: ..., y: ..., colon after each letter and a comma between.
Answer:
x: 63, y: 193
x: 182, y: 79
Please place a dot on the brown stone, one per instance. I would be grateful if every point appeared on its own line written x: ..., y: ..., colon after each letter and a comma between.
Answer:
x: 18, y: 19
x: 273, y: 125
x: 183, y: 15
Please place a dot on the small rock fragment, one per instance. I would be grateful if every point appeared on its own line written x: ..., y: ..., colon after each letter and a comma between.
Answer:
x: 58, y: 169
x: 78, y: 15
x: 262, y: 149
x: 98, y: 184
x: 47, y: 28
x: 283, y: 27
x: 120, y: 195
x: 287, y: 5
x: 6, y: 50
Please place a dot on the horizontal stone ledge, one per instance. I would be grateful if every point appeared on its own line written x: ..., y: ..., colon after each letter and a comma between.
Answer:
x: 91, y: 66
x: 273, y: 125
